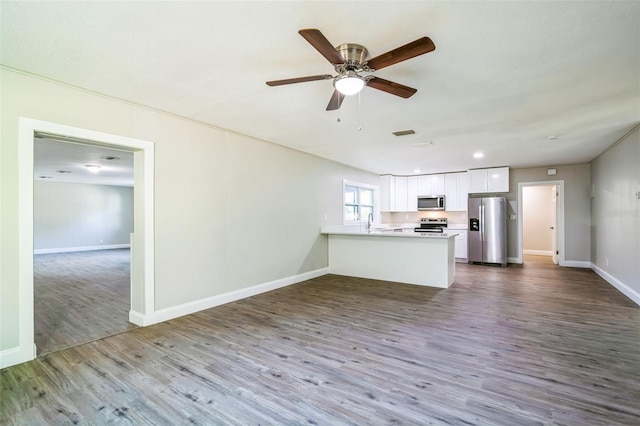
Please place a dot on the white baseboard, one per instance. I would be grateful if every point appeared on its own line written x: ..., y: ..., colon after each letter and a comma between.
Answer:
x: 622, y: 287
x: 211, y: 302
x: 87, y: 248
x: 17, y: 355
x: 538, y: 252
x: 575, y: 264
x: 139, y: 319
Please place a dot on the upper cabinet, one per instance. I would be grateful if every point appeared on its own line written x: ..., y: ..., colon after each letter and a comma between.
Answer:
x: 402, y: 188
x: 489, y: 180
x: 387, y: 193
x: 400, y: 193
x: 412, y: 194
x: 456, y: 191
x: 431, y: 185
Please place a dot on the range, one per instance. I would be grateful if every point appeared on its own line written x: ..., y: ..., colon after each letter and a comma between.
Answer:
x: 428, y: 224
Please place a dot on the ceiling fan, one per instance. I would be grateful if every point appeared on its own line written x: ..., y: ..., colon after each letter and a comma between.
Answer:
x: 349, y: 60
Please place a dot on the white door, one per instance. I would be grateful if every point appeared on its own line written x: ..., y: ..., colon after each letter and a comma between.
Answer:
x: 554, y: 223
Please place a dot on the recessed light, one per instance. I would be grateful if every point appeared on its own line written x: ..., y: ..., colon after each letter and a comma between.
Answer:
x: 93, y: 168
x: 44, y: 177
x: 110, y: 158
x: 417, y: 171
x: 63, y: 171
x: 552, y: 137
x: 478, y: 155
x: 422, y: 143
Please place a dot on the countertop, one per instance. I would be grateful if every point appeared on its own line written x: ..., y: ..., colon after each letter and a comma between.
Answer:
x: 383, y: 231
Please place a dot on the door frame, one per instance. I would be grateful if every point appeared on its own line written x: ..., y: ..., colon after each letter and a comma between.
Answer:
x: 560, y: 229
x: 142, y: 240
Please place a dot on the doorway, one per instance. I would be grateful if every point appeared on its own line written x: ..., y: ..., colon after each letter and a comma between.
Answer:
x: 539, y: 222
x: 83, y: 221
x: 142, y: 247
x: 541, y: 211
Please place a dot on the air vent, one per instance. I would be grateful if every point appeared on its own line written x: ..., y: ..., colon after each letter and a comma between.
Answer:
x: 404, y: 132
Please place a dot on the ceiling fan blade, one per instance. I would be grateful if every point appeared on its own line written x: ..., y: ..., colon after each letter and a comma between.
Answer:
x: 322, y: 45
x: 391, y: 87
x: 336, y: 101
x: 411, y: 50
x: 299, y: 80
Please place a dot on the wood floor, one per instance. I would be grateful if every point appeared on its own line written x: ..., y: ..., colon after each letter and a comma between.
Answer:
x: 80, y: 297
x: 530, y: 344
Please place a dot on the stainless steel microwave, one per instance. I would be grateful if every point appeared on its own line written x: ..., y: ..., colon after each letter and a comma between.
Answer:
x: 430, y: 202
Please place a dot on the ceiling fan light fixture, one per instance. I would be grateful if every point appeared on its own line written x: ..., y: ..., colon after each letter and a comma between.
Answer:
x: 349, y: 83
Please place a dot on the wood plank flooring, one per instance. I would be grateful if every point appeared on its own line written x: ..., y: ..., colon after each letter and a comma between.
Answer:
x: 529, y: 344
x: 80, y: 297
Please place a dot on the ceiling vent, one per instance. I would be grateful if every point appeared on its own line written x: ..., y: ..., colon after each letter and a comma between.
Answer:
x: 404, y: 132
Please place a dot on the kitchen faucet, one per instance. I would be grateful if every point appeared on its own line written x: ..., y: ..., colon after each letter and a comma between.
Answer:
x: 369, y: 220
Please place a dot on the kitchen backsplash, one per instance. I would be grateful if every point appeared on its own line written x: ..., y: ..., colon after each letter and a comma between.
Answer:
x: 455, y: 218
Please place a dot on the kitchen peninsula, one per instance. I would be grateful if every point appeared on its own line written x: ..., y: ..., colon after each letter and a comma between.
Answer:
x: 399, y: 255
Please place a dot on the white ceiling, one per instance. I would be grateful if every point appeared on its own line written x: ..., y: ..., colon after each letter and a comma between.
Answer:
x: 63, y: 161
x: 503, y: 78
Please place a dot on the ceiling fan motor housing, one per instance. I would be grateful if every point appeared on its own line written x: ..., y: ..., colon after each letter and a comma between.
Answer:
x: 354, y: 54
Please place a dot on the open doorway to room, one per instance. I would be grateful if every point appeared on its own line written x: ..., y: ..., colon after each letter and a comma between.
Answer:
x: 83, y: 213
x: 541, y: 222
x: 142, y: 257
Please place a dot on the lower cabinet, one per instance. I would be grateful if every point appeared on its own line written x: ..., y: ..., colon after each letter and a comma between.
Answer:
x: 461, y: 244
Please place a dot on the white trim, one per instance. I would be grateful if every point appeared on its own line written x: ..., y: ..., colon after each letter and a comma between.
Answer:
x: 517, y: 260
x: 211, y: 302
x: 622, y: 287
x: 87, y: 248
x: 538, y: 252
x: 559, y: 217
x: 140, y: 319
x: 143, y: 152
x: 16, y: 355
x: 575, y: 264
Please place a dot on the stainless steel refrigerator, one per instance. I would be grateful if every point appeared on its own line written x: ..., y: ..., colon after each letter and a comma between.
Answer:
x: 488, y: 230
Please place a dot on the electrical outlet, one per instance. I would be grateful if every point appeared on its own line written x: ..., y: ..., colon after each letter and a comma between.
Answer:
x: 513, y: 217
x: 606, y: 262
x: 326, y: 217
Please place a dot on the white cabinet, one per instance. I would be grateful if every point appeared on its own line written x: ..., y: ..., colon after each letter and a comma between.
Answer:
x: 489, y: 180
x: 398, y: 193
x: 456, y: 191
x: 387, y: 193
x: 498, y: 179
x: 461, y: 243
x: 402, y: 188
x: 412, y: 194
x: 431, y: 185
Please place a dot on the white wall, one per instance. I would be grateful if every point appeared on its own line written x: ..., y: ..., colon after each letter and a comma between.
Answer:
x: 74, y: 216
x: 615, y: 215
x: 537, y: 217
x: 231, y: 211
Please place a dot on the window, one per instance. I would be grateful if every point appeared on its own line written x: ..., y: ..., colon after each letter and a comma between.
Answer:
x: 359, y: 201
